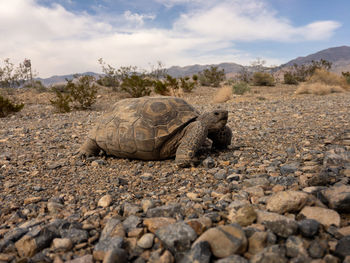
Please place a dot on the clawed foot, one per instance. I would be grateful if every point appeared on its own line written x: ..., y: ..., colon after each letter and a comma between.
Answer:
x: 183, y: 163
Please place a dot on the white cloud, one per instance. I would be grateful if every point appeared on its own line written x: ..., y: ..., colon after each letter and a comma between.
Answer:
x: 60, y: 42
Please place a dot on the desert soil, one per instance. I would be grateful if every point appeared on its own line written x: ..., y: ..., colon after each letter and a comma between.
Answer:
x: 279, y: 193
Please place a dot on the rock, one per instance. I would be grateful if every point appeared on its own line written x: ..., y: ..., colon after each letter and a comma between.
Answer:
x: 155, y: 223
x: 131, y: 222
x: 77, y: 236
x: 257, y: 242
x: 105, y: 245
x: 287, y: 201
x: 117, y: 255
x: 295, y: 247
x: 31, y: 200
x: 54, y: 207
x: 26, y: 246
x: 63, y: 244
x: 289, y: 168
x: 209, y: 162
x: 225, y: 240
x: 308, y: 227
x: 326, y: 217
x: 260, y: 181
x: 146, y: 241
x: 232, y: 259
x: 273, y: 254
x: 177, y: 237
x: 245, y: 216
x: 344, y: 231
x: 198, y: 254
x: 317, y: 249
x: 278, y: 224
x: 220, y: 175
x: 342, y: 248
x: 338, y: 198
x: 131, y: 209
x: 164, y: 211
x: 282, y: 180
x: 113, y: 227
x: 147, y: 204
x: 83, y: 259
x: 105, y: 201
x: 12, y: 236
x: 199, y: 225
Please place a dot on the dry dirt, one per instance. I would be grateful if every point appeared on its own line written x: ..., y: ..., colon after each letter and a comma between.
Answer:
x: 277, y: 136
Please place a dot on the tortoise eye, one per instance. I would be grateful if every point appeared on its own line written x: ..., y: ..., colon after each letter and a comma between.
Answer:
x: 216, y: 113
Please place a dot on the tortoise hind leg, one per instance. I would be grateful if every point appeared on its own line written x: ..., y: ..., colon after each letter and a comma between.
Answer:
x: 89, y: 148
x: 192, y: 140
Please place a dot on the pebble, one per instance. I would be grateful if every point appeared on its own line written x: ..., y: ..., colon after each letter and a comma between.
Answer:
x: 146, y: 241
x: 326, y: 217
x: 338, y: 198
x: 287, y: 201
x: 244, y: 216
x: 225, y: 240
x: 105, y: 201
x: 63, y: 244
x: 308, y: 227
x: 343, y: 247
x: 155, y: 223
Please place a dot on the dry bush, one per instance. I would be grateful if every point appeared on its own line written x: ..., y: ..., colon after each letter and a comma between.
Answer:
x: 223, y: 94
x: 318, y: 88
x: 328, y: 78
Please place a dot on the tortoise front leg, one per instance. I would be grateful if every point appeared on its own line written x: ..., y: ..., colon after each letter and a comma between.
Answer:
x: 89, y: 148
x: 193, y: 139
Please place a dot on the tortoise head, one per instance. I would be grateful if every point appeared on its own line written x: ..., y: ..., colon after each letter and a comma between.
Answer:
x: 214, y: 120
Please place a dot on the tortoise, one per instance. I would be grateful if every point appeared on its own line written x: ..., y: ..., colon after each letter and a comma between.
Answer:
x: 156, y: 128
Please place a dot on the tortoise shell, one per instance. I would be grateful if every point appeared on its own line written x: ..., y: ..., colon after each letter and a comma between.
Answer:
x: 139, y: 127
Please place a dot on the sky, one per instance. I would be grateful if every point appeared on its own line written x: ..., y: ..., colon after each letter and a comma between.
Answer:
x: 69, y: 36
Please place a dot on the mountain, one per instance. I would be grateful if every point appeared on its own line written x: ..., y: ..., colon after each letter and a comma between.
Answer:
x: 177, y: 71
x: 62, y: 78
x: 339, y: 56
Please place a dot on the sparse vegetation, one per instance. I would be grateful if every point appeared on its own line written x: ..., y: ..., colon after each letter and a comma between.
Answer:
x: 323, y: 82
x: 81, y: 92
x: 212, y: 77
x: 346, y: 75
x: 7, y: 107
x: 289, y: 78
x: 240, y: 88
x: 137, y: 85
x: 263, y: 79
x: 11, y: 76
x: 186, y: 84
x: 36, y: 85
x: 224, y: 94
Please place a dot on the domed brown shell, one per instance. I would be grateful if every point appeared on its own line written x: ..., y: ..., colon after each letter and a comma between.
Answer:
x: 138, y: 127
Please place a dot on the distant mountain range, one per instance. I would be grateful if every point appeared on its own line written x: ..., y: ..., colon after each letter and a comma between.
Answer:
x: 339, y: 56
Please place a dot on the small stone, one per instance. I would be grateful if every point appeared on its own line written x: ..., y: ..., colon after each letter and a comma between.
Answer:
x: 344, y: 231
x: 136, y: 232
x: 177, y: 237
x: 199, y: 225
x: 105, y: 201
x: 316, y: 250
x: 274, y: 254
x: 63, y: 244
x: 245, y: 216
x: 131, y: 209
x: 170, y: 210
x: 199, y: 253
x: 105, y: 245
x: 113, y: 227
x: 287, y: 201
x: 220, y: 175
x: 308, y: 227
x: 338, y: 198
x: 295, y: 247
x: 146, y: 241
x: 326, y: 217
x: 257, y: 242
x: 117, y: 255
x: 83, y: 259
x: 209, y: 162
x: 278, y: 224
x: 225, y: 240
x: 343, y: 247
x: 288, y: 168
x: 232, y: 259
x: 26, y: 246
x: 31, y: 200
x: 77, y: 236
x: 155, y: 223
x: 131, y: 222
x: 54, y: 208
x: 193, y: 196
x: 147, y: 204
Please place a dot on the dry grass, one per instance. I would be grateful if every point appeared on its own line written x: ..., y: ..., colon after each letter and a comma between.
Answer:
x: 223, y: 94
x: 318, y: 88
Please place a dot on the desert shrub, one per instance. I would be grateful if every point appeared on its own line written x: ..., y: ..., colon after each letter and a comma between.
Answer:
x: 160, y: 87
x: 62, y: 101
x: 83, y: 91
x: 240, y: 88
x: 328, y: 78
x: 137, y: 85
x: 318, y: 88
x: 263, y: 79
x: 211, y: 77
x: 36, y: 85
x: 223, y: 94
x: 186, y: 84
x: 289, y: 78
x: 166, y: 86
x: 7, y: 107
x: 195, y: 77
x: 346, y: 75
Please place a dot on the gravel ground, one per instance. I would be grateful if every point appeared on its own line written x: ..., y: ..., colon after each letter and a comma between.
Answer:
x: 280, y: 192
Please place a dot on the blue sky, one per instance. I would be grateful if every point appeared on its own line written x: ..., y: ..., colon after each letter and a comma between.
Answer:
x: 69, y: 36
